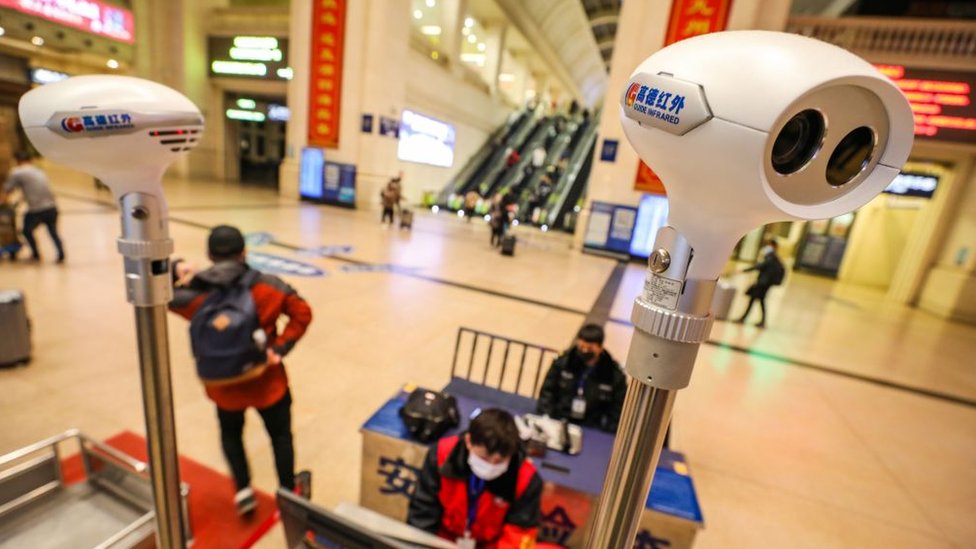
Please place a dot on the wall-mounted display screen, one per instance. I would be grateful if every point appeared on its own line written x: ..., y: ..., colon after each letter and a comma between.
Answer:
x: 652, y: 214
x: 94, y: 16
x: 40, y: 75
x: 426, y: 140
x: 913, y: 184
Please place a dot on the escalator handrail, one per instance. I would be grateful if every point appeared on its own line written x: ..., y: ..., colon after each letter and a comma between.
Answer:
x: 568, y: 179
x: 498, y: 164
x: 518, y: 169
x: 461, y: 181
x: 559, y: 145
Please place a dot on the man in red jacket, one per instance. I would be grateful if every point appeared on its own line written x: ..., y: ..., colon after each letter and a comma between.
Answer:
x: 479, y: 489
x: 266, y: 389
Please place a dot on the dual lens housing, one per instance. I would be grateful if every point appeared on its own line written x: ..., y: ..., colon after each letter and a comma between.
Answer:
x: 802, y: 138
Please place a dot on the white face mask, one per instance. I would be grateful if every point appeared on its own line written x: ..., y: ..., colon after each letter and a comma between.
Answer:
x: 766, y: 250
x: 484, y: 470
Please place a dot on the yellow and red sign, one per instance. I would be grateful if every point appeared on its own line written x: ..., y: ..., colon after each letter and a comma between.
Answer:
x: 688, y: 18
x: 942, y: 101
x: 325, y: 72
x: 694, y: 17
x: 647, y: 181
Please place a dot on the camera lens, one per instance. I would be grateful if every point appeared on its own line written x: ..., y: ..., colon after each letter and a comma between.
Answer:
x: 798, y: 141
x: 851, y: 156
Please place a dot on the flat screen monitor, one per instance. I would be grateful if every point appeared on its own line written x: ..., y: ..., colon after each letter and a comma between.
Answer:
x: 426, y: 140
x: 913, y: 184
x: 652, y: 214
x: 309, y: 526
x: 310, y: 180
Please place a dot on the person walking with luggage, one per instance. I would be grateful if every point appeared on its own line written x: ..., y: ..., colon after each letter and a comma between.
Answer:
x: 497, y: 217
x: 771, y: 273
x: 33, y: 184
x: 470, y: 204
x: 480, y: 489
x: 390, y: 197
x: 233, y: 312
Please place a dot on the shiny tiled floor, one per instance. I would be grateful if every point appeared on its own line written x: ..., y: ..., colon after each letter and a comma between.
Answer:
x: 783, y: 455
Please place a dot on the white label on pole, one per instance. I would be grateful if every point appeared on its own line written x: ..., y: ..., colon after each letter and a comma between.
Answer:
x: 662, y: 292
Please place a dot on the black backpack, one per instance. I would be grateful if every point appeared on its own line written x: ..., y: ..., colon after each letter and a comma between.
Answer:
x: 226, y: 335
x: 778, y: 273
x: 429, y: 414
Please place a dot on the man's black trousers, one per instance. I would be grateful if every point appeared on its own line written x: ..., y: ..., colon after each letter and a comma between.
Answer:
x: 277, y: 421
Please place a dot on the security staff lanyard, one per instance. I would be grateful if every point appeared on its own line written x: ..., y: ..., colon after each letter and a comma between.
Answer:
x: 578, y: 408
x: 476, y: 487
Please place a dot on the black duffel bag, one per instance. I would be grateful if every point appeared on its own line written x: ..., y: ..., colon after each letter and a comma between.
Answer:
x: 429, y: 414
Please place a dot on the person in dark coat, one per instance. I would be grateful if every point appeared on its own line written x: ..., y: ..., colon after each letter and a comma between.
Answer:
x: 497, y: 215
x: 771, y: 272
x: 585, y: 385
x: 480, y: 489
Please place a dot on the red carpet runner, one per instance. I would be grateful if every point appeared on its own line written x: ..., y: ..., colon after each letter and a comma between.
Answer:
x: 212, y: 515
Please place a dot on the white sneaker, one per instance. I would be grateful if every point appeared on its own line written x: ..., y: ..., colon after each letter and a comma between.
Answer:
x: 245, y: 501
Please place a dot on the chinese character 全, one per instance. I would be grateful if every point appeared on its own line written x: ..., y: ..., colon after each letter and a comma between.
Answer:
x: 557, y: 527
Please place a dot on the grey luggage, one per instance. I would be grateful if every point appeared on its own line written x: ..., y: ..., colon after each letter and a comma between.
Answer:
x: 406, y: 219
x: 508, y: 244
x: 722, y: 300
x: 15, y: 345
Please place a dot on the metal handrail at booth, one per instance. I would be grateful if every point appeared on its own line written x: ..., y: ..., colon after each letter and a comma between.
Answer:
x: 514, y: 360
x: 111, y: 507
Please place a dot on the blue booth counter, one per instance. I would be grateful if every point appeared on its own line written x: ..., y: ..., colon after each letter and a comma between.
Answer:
x: 391, y: 462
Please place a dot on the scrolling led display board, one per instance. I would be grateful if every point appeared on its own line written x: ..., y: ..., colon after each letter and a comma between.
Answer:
x: 93, y: 16
x: 942, y: 101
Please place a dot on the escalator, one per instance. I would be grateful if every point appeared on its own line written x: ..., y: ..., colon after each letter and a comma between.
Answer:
x: 560, y: 210
x: 486, y: 181
x: 481, y: 160
x: 566, y: 216
x: 513, y: 176
x: 562, y: 147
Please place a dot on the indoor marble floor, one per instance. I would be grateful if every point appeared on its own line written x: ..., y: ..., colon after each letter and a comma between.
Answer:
x: 848, y: 422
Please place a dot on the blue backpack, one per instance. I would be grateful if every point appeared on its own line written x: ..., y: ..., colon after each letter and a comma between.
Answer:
x: 228, y: 342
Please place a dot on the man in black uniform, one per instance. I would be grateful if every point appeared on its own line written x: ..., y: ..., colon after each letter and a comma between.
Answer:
x: 585, y: 384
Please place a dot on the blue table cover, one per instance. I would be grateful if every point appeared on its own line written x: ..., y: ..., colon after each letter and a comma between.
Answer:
x: 672, y: 491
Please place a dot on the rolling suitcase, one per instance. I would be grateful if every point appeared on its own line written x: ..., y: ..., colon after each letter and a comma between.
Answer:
x: 508, y: 244
x: 406, y: 219
x: 15, y: 347
x: 722, y: 300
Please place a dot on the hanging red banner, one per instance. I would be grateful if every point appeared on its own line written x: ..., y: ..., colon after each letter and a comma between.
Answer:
x: 647, y: 181
x: 694, y: 17
x: 688, y: 18
x: 325, y: 72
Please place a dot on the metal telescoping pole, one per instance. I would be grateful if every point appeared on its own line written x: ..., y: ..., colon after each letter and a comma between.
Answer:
x: 146, y: 247
x: 671, y: 319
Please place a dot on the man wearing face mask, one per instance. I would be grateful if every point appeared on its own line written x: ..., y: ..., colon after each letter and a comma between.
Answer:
x: 479, y: 489
x: 585, y: 385
x: 771, y: 273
